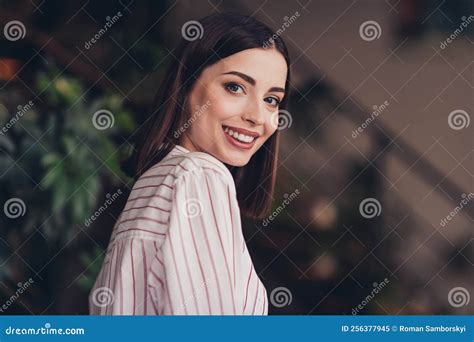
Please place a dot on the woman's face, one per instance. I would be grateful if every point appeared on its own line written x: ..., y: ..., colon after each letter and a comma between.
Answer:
x: 233, y: 106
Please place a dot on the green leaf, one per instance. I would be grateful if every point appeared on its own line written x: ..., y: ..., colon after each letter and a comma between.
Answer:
x: 61, y: 192
x: 52, y: 174
x: 49, y: 159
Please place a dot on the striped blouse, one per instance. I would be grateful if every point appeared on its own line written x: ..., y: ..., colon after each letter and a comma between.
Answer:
x: 178, y: 248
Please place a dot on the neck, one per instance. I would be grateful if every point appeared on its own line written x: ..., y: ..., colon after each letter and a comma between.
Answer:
x: 187, y: 143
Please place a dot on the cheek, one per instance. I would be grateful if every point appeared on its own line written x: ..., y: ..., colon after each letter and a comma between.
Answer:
x: 269, y: 131
x: 271, y: 125
x: 219, y: 109
x: 224, y: 106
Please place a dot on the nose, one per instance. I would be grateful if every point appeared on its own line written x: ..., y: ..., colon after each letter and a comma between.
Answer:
x: 254, y: 113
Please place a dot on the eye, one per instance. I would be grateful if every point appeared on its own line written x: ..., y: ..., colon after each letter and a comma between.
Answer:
x: 273, y: 101
x: 234, y: 88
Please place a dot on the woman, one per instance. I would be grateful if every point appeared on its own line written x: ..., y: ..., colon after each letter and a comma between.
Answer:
x: 210, y: 154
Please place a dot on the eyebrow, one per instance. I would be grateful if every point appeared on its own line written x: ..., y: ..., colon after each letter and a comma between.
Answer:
x: 250, y: 80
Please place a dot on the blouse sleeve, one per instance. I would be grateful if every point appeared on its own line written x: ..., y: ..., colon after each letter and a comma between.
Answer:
x: 199, y: 254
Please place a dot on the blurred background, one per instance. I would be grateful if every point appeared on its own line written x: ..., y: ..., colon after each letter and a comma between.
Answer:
x: 373, y: 211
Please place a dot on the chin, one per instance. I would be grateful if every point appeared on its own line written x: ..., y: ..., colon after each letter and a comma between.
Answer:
x: 236, y: 160
x: 239, y: 164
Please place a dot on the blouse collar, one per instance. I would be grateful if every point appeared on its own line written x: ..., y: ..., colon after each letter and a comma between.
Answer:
x: 178, y: 149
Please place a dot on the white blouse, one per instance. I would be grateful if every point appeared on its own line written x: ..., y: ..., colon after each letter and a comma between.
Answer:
x: 178, y: 248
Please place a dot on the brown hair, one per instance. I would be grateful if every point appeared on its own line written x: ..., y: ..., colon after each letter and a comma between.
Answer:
x: 224, y: 34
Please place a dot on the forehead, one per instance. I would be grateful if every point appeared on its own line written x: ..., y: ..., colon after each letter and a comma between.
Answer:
x: 267, y: 66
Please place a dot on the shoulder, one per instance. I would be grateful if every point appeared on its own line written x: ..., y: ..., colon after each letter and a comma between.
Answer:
x: 203, y: 163
x: 186, y: 165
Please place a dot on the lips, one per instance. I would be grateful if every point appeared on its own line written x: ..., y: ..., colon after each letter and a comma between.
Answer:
x: 240, y: 137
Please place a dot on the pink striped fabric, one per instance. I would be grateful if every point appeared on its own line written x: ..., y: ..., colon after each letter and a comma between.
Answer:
x: 178, y: 248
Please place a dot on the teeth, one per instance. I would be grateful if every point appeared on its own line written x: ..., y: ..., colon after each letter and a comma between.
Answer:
x: 239, y: 136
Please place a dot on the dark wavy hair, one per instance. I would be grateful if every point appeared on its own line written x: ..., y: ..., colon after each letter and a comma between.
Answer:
x: 223, y: 34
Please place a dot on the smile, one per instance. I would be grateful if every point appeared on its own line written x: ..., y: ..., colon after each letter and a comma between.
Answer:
x: 239, y: 138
